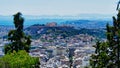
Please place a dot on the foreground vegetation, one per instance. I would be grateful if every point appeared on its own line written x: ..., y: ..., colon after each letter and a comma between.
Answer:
x: 19, y: 41
x: 16, y: 52
x: 107, y: 54
x: 20, y: 59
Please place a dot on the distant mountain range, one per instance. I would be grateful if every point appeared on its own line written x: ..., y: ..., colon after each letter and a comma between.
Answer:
x: 89, y: 24
x: 79, y: 16
x: 79, y: 21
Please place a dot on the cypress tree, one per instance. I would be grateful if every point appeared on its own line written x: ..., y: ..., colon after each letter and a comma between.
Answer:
x: 18, y: 39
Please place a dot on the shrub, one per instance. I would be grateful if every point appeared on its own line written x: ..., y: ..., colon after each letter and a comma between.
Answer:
x: 20, y: 59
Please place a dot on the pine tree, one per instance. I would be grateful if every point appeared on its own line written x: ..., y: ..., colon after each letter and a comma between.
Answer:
x: 100, y: 58
x: 107, y: 53
x: 18, y: 39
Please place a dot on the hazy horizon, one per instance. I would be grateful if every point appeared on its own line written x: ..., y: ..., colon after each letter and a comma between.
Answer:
x: 58, y: 7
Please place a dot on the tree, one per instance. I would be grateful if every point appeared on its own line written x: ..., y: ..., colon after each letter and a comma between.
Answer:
x: 100, y: 58
x: 107, y: 54
x: 70, y: 56
x: 16, y: 55
x: 18, y: 39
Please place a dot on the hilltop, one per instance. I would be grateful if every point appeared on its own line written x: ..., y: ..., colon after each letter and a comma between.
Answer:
x: 65, y: 31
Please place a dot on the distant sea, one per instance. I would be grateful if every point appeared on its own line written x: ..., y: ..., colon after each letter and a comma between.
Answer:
x: 29, y: 22
x: 82, y: 22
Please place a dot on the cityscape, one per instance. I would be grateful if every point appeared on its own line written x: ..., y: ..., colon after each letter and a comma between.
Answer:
x: 60, y: 34
x: 54, y: 52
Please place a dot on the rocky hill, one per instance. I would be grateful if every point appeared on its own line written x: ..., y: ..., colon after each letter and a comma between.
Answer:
x: 37, y: 30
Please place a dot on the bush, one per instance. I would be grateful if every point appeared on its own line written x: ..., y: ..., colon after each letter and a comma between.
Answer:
x: 20, y: 59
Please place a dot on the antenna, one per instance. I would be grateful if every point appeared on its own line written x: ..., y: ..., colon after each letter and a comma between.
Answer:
x: 118, y: 5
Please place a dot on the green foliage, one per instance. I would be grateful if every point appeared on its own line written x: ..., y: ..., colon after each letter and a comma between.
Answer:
x: 19, y: 41
x: 20, y: 59
x: 100, y: 58
x: 16, y: 51
x: 107, y: 53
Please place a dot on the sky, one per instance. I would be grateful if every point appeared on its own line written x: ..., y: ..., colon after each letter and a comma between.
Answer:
x: 57, y: 7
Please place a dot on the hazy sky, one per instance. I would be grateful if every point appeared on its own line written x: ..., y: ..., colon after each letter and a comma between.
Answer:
x: 57, y: 7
